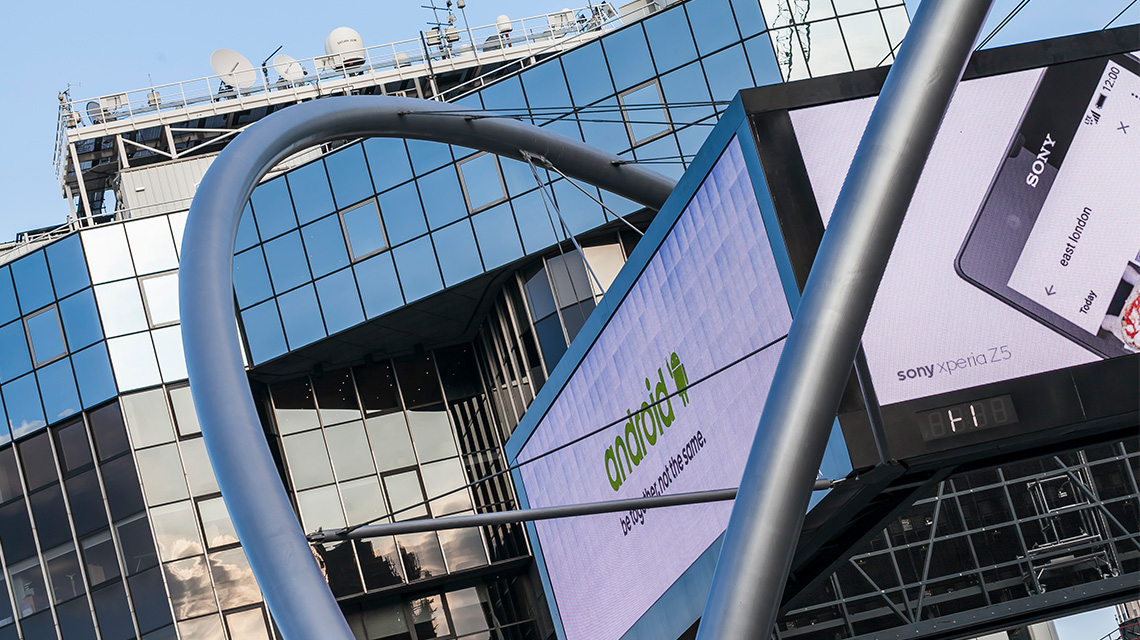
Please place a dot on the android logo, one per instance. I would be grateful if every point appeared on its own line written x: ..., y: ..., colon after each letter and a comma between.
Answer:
x: 677, y: 370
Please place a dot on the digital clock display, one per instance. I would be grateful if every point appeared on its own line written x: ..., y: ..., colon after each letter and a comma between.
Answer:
x: 967, y: 417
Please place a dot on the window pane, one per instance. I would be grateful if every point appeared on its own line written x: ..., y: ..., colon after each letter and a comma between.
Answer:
x: 379, y: 288
x: 551, y: 339
x: 272, y: 208
x: 171, y: 355
x: 628, y: 53
x: 604, y: 128
x: 422, y: 556
x: 161, y: 296
x: 112, y: 612
x: 190, y: 590
x: 539, y: 295
x: 427, y: 156
x: 865, y: 38
x: 46, y: 335
x: 391, y: 446
x: 309, y: 185
x: 458, y: 254
x: 320, y: 509
x: 727, y: 72
x: 110, y: 434
x: 376, y: 385
x: 133, y: 360
x: 9, y: 309
x: 28, y: 580
x: 251, y: 278
x: 365, y: 234
x: 10, y: 486
x: 363, y: 501
x: 121, y: 308
x: 263, y: 332
x: 535, y: 222
x: 147, y: 418
x: 446, y: 479
x: 286, y: 268
x: 63, y: 573
x: 402, y: 212
x: 216, y: 523
x: 417, y: 268
x: 161, y: 472
x: 349, y: 449
x: 99, y: 555
x: 175, y: 531
x: 340, y: 301
x: 293, y: 406
x: 308, y: 459
x: 247, y: 625
x: 765, y: 70
x: 22, y: 402
x: 151, y: 606
x: 340, y: 568
x: 80, y: 320
x: 152, y: 245
x: 246, y: 236
x: 233, y: 578
x: 546, y: 86
x: 670, y: 39
x: 74, y: 447
x: 137, y: 545
x: 349, y: 175
x: 74, y: 621
x: 748, y: 16
x: 39, y: 464
x: 86, y: 501
x: 499, y: 241
x: 57, y: 383
x: 199, y: 473
x: 184, y: 412
x: 50, y: 516
x: 586, y: 72
x: 14, y: 358
x: 107, y: 253
x: 324, y: 244
x: 469, y: 610
x: 419, y: 382
x: 93, y: 372
x: 405, y: 496
x: 33, y: 284
x: 644, y: 123
x: 506, y: 94
x: 388, y: 159
x: 68, y: 267
x: 208, y: 628
x: 302, y: 317
x: 380, y: 562
x: 713, y: 24
x: 687, y: 84
x: 122, y: 485
x: 16, y: 532
x: 481, y: 181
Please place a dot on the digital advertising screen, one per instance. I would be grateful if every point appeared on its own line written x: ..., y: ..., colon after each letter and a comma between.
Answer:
x: 1020, y: 252
x: 677, y: 376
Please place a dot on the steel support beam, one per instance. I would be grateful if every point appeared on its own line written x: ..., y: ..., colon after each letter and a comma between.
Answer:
x: 816, y: 362
x: 296, y: 592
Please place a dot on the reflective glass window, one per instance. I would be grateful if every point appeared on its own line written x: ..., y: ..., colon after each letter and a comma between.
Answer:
x: 727, y: 73
x: 121, y: 307
x: 567, y: 126
x: 539, y: 295
x: 348, y: 447
x: 851, y: 6
x: 363, y: 501
x: 160, y: 293
x: 365, y: 232
x: 161, y: 473
x: 643, y: 112
x: 175, y: 531
x: 628, y: 52
x: 429, y: 617
x: 199, y: 473
x: 309, y: 186
x: 63, y: 573
x: 419, y: 382
x: 469, y: 610
x: 578, y: 209
x: 152, y: 245
x: 294, y: 407
x: 216, y: 523
x: 152, y: 610
x: 185, y: 415
x: 458, y: 254
x: 86, y: 501
x: 74, y: 621
x: 422, y: 559
x: 481, y: 181
x: 866, y: 40
x: 534, y: 221
x: 14, y: 357
x: 107, y: 254
x: 171, y: 356
x: 666, y: 154
x: 402, y: 212
x: 417, y: 268
x: 551, y: 339
x: 463, y: 548
x: 147, y: 418
x: 112, y: 611
x: 377, y: 387
x: 789, y: 53
x: 670, y: 39
x: 444, y: 482
x: 16, y: 532
x: 263, y: 332
x: 308, y: 459
x: 380, y: 564
x: 57, y: 384
x: 251, y: 278
x: 74, y: 448
x: 93, y: 373
x: 713, y: 24
x: 506, y: 94
x: 748, y: 17
x: 499, y: 240
x: 80, y: 320
x: 388, y: 161
x: 190, y: 591
x: 137, y: 545
x: 68, y: 266
x: 518, y: 176
x: 100, y: 558
x: 405, y: 495
x: 22, y: 402
x: 586, y: 72
x: 9, y: 308
x: 320, y: 509
x: 28, y: 580
x: 247, y: 625
x: 207, y: 628
x: 233, y: 578
x: 348, y: 173
x: 380, y: 290
x: 427, y: 156
x: 109, y: 431
x: 33, y: 284
x: 302, y: 316
x: 442, y: 197
x: 123, y: 492
x: 392, y: 447
x: 760, y: 55
x: 247, y: 230
x: 897, y: 22
x: 431, y: 433
x: 50, y: 516
x: 272, y: 208
x: 546, y: 86
x: 340, y: 568
x: 39, y: 463
x: 324, y: 244
x: 340, y: 301
x: 604, y: 128
x: 287, y: 269
x: 827, y: 52
x: 687, y: 84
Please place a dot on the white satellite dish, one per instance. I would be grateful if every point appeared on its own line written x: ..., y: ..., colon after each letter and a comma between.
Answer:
x: 288, y: 68
x: 233, y: 68
x: 345, y: 46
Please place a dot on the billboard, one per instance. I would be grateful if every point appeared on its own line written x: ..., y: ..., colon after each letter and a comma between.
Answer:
x: 660, y: 394
x: 1020, y: 252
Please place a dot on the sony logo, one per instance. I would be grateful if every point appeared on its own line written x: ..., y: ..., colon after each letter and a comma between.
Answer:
x: 1041, y: 160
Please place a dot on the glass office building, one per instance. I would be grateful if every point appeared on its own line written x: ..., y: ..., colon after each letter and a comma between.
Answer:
x: 415, y: 294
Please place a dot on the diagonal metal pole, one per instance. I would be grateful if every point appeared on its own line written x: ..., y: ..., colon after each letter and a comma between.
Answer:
x: 774, y: 491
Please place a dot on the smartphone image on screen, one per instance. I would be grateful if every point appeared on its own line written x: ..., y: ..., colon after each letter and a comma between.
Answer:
x: 1057, y: 236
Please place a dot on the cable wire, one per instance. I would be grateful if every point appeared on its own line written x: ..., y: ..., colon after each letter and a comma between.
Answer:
x: 1001, y: 25
x: 1117, y: 17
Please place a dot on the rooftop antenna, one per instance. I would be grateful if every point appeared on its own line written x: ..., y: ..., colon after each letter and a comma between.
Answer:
x: 264, y: 69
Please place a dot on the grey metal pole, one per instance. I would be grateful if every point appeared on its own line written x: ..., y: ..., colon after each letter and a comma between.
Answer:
x: 774, y: 491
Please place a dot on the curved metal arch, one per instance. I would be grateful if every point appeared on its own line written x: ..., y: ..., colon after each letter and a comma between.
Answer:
x: 294, y: 588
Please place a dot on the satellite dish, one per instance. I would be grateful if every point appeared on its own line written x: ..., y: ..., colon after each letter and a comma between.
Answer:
x: 288, y: 68
x: 346, y: 46
x: 503, y: 24
x: 233, y: 68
